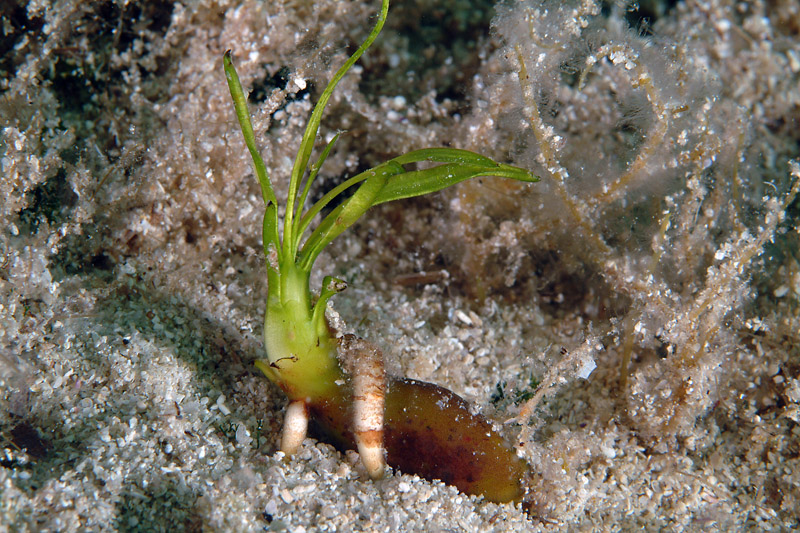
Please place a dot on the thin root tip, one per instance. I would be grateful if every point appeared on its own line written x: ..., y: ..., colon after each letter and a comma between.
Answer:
x: 295, y: 427
x: 373, y: 459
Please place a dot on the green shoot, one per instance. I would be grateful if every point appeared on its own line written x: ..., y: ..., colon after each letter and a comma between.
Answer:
x: 290, y: 258
x: 301, y: 352
x: 384, y: 183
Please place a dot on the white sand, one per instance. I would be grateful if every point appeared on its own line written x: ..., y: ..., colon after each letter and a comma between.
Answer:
x: 132, y: 283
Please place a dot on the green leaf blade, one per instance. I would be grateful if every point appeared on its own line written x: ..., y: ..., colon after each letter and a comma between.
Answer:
x: 344, y: 216
x: 310, y: 135
x: 387, y: 169
x: 269, y: 232
x: 272, y: 248
x: 240, y: 105
x: 420, y: 182
x: 389, y: 182
x: 298, y: 221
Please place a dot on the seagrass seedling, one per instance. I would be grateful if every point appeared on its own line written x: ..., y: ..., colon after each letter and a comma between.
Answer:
x: 338, y: 382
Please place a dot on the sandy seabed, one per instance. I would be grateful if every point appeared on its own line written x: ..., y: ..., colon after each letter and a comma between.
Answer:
x: 661, y: 245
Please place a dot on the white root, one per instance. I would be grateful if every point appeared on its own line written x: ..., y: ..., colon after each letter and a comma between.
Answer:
x: 295, y: 427
x: 364, y: 362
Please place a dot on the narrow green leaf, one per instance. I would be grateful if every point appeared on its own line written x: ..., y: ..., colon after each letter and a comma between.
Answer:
x: 298, y: 233
x: 310, y: 135
x: 387, y: 169
x: 390, y: 181
x: 341, y: 218
x: 272, y: 248
x: 419, y: 182
x: 269, y: 233
x: 240, y: 104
